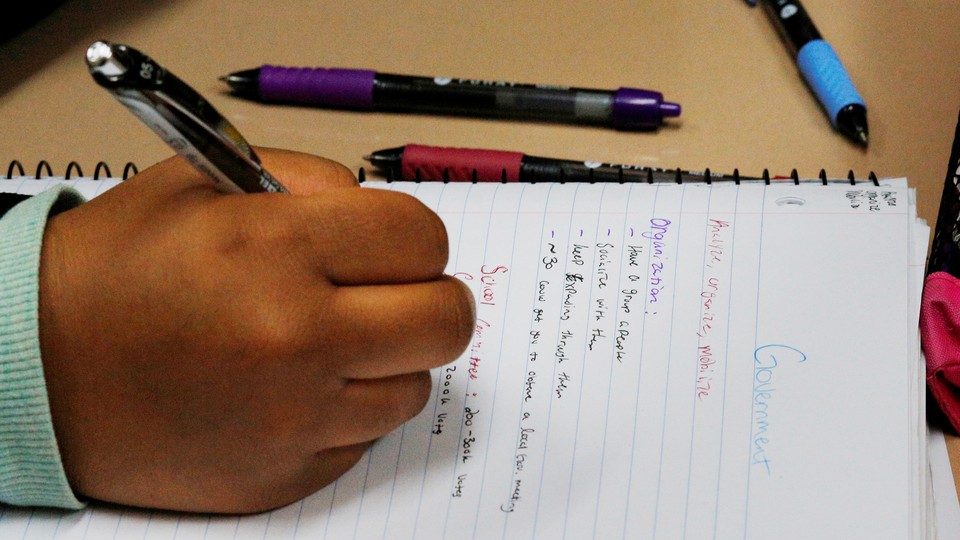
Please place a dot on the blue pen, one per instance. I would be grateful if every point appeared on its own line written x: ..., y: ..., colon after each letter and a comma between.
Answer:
x: 821, y: 67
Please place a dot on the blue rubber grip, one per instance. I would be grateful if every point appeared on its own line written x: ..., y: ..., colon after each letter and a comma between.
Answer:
x: 824, y: 72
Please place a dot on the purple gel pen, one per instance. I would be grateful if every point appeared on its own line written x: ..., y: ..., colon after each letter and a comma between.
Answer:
x: 625, y: 108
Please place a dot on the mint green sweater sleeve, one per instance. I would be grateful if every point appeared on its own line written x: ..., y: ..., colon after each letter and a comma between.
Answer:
x: 31, y: 472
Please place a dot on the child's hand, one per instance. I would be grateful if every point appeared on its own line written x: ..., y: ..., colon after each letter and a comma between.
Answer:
x: 234, y: 353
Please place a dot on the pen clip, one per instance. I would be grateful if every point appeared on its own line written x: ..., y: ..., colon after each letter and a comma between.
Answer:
x: 180, y: 116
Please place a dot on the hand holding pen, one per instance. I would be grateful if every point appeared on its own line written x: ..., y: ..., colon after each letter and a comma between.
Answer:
x: 239, y: 351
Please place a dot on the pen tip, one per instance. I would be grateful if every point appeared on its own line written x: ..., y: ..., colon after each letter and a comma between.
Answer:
x: 852, y: 123
x: 368, y: 157
x: 244, y: 83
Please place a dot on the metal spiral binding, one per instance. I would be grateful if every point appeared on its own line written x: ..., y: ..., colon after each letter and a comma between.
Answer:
x: 44, y: 170
x: 102, y: 170
x: 677, y: 173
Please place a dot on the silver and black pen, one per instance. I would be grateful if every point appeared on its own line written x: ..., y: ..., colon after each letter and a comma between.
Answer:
x: 182, y: 118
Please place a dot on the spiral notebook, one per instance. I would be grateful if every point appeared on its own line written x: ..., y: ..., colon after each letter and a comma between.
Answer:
x: 649, y: 361
x: 20, y: 181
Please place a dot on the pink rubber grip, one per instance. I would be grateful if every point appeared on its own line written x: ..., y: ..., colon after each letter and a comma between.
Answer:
x: 460, y: 163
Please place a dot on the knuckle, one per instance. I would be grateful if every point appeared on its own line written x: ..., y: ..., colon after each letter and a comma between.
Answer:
x: 271, y: 331
x: 242, y: 229
x: 425, y: 228
x: 436, y: 234
x: 341, y: 174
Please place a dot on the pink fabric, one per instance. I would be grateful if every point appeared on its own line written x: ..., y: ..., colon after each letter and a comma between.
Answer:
x: 940, y: 337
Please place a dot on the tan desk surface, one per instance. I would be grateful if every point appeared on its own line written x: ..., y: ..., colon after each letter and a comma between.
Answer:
x: 744, y: 104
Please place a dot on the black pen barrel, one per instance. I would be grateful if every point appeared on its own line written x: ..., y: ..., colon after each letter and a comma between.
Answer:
x: 534, y: 169
x: 792, y: 22
x: 491, y: 99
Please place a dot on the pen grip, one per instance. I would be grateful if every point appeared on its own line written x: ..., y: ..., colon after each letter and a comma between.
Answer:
x: 434, y: 163
x: 335, y: 87
x: 823, y: 71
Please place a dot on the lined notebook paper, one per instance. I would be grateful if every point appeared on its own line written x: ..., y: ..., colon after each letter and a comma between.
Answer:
x: 649, y: 361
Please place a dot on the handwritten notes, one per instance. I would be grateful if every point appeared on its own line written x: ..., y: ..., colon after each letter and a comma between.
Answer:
x: 658, y: 361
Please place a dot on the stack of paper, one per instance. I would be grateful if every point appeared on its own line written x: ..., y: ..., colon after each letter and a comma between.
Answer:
x: 649, y: 361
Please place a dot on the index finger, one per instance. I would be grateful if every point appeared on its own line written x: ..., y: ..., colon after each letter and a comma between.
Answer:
x: 305, y: 174
x: 371, y: 236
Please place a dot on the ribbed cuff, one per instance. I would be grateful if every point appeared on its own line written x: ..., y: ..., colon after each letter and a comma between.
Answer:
x: 31, y: 472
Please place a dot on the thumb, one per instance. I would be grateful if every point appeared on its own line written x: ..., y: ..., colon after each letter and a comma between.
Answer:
x: 305, y: 174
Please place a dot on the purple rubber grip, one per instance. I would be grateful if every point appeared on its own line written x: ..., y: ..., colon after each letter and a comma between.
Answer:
x: 636, y: 108
x: 352, y: 88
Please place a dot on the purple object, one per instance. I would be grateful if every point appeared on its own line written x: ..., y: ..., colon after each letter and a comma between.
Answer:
x: 625, y: 108
x: 335, y: 87
x: 636, y: 108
